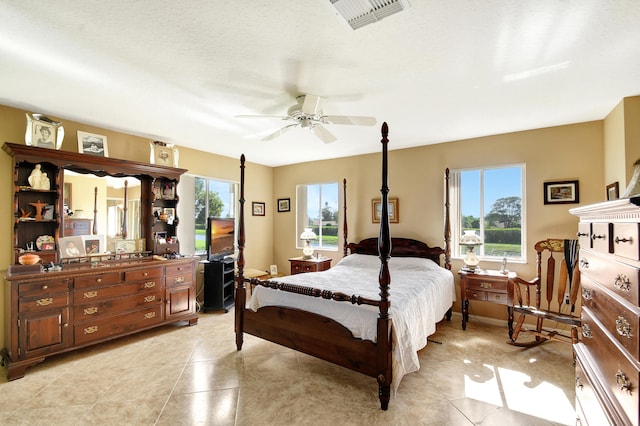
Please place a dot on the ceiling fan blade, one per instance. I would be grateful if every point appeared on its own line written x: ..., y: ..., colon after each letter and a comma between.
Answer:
x: 311, y: 104
x: 281, y: 117
x: 279, y: 132
x: 353, y: 120
x: 323, y: 134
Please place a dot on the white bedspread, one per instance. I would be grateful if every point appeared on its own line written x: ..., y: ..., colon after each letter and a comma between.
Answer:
x: 421, y: 292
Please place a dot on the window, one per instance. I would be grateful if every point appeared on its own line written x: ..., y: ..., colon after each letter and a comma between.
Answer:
x: 212, y: 198
x: 317, y: 208
x: 490, y: 202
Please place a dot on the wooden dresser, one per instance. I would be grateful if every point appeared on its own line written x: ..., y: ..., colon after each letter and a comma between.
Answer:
x: 608, y: 355
x: 53, y: 312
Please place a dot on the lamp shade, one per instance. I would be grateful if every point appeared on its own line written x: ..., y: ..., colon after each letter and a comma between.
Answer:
x: 470, y: 238
x: 307, y: 236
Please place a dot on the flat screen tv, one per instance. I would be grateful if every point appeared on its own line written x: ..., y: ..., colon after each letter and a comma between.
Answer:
x: 220, y: 237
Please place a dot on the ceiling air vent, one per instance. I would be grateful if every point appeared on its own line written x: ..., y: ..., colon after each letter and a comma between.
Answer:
x: 359, y: 13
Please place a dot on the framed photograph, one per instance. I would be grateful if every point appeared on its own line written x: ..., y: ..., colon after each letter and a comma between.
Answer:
x: 125, y: 246
x: 165, y: 154
x: 160, y: 237
x: 48, y: 246
x: 43, y: 132
x: 376, y: 210
x: 169, y: 211
x: 168, y: 190
x: 561, y: 192
x: 90, y: 143
x: 613, y: 191
x: 71, y: 247
x: 273, y: 269
x: 94, y: 244
x: 284, y: 204
x: 257, y: 208
x: 47, y: 212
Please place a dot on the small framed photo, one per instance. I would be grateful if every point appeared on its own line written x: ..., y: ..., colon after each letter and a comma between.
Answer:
x: 165, y: 154
x: 160, y: 237
x: 125, y: 246
x: 168, y: 190
x: 257, y: 208
x: 90, y: 143
x: 284, y: 204
x: 561, y: 192
x: 48, y: 246
x: 71, y: 247
x: 613, y: 191
x: 273, y: 269
x: 376, y: 210
x: 94, y: 244
x: 169, y: 211
x: 43, y: 132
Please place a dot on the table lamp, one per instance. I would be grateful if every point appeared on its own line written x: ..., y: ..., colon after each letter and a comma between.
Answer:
x: 307, y: 236
x: 470, y: 240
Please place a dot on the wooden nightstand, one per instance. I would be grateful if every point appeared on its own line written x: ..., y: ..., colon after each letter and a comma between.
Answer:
x: 300, y: 265
x: 487, y: 286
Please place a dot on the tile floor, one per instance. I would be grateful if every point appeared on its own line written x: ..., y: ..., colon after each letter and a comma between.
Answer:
x: 194, y: 375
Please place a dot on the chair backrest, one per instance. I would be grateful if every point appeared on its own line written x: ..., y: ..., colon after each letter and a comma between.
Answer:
x: 558, y: 275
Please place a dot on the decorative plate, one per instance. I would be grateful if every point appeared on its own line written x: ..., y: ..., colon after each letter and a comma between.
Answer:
x: 44, y: 239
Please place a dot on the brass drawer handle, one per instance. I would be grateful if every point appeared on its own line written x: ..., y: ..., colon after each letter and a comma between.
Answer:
x: 91, y: 330
x: 586, y: 293
x: 149, y: 284
x: 90, y: 294
x: 144, y: 274
x: 622, y: 283
x: 485, y: 285
x: 44, y: 302
x: 624, y: 384
x: 619, y: 240
x: 90, y: 311
x: 623, y: 327
x: 179, y: 280
x: 99, y: 280
x: 148, y: 299
x: 149, y: 315
x: 586, y: 331
x: 44, y: 287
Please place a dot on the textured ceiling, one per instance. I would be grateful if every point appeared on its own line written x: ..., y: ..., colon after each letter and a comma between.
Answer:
x: 440, y: 71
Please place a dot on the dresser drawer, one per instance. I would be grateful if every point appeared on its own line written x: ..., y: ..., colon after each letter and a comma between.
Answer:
x: 43, y: 288
x: 118, y: 305
x: 43, y: 303
x: 97, y: 280
x: 143, y: 274
x: 625, y: 240
x: 584, y: 235
x: 620, y: 321
x: 616, y: 373
x: 487, y: 296
x: 588, y: 406
x: 621, y: 278
x: 91, y: 295
x: 97, y: 329
x: 600, y: 237
x: 487, y: 284
x: 181, y: 269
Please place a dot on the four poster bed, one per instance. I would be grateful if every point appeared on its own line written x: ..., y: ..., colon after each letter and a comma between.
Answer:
x: 380, y: 331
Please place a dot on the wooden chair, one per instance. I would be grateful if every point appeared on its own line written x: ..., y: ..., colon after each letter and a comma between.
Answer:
x: 559, y: 278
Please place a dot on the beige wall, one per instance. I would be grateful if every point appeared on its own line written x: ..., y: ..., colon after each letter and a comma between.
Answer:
x: 416, y: 178
x: 622, y: 141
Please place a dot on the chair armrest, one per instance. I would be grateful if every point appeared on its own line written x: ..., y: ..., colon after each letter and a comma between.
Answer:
x: 518, y: 280
x: 515, y: 284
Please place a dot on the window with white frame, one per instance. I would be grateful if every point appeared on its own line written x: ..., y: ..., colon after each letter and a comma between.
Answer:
x: 212, y: 198
x: 490, y: 201
x: 317, y: 208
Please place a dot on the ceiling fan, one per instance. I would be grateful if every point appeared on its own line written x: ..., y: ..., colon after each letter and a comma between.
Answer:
x: 307, y: 113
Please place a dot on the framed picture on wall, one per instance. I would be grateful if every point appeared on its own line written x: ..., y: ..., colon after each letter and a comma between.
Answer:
x: 561, y: 192
x: 90, y: 143
x: 376, y: 210
x: 613, y: 191
x: 43, y: 132
x: 284, y: 204
x: 257, y: 208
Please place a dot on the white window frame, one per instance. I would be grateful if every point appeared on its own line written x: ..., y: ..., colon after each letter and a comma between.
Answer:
x: 302, y: 217
x: 456, y: 214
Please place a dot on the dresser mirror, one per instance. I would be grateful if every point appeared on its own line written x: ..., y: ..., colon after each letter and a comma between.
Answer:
x: 105, y: 199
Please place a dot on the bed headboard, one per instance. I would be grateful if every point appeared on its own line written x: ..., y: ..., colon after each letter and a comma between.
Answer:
x: 400, y: 247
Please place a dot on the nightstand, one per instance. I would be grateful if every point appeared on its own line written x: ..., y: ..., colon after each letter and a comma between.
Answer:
x: 487, y: 286
x: 300, y: 265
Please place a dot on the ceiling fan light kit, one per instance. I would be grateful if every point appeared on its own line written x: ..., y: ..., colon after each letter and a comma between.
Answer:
x: 307, y: 113
x: 358, y: 13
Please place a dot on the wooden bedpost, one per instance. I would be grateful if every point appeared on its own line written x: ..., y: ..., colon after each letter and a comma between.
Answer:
x: 240, y: 295
x: 345, y: 228
x: 384, y: 251
x: 447, y: 222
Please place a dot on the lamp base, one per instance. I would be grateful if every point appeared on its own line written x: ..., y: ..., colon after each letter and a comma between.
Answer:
x: 467, y: 268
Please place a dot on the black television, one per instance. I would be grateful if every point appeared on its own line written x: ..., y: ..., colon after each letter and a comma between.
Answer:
x: 220, y: 237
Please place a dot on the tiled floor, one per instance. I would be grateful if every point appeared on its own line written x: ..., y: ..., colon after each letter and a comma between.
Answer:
x: 194, y: 375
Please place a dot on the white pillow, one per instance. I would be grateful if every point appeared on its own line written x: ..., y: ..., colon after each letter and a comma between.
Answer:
x: 395, y: 263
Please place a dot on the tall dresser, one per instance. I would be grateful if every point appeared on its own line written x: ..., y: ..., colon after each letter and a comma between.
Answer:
x: 607, y: 357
